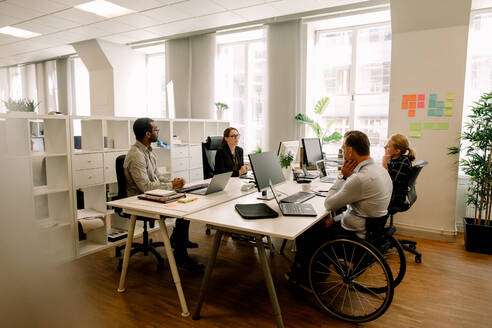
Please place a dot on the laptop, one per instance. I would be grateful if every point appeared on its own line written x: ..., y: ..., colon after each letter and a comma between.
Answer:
x: 323, y: 175
x: 218, y: 183
x: 294, y: 209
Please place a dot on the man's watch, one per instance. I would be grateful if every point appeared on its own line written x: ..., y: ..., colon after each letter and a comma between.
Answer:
x: 341, y: 176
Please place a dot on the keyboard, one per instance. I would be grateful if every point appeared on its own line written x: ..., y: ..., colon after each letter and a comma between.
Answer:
x: 298, y: 197
x: 192, y: 188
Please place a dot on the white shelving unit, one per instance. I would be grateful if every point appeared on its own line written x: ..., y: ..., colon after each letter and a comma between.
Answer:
x: 42, y: 140
x: 103, y: 139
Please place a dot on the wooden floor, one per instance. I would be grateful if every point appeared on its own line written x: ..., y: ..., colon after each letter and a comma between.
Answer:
x: 450, y: 288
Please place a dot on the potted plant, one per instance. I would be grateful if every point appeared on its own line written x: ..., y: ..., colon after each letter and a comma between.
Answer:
x: 476, y: 142
x: 221, y: 107
x: 316, y: 124
x: 285, y: 162
x: 21, y: 105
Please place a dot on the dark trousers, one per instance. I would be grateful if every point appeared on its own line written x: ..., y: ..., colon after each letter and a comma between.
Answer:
x: 308, y: 242
x: 180, y: 236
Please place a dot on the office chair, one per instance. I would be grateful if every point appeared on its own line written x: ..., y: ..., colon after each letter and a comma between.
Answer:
x: 147, y: 245
x: 409, y: 245
x: 209, y: 149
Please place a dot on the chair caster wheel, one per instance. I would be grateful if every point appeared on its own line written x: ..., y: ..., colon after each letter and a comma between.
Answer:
x: 418, y: 259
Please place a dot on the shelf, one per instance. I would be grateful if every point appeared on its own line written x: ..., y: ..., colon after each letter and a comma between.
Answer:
x: 89, y: 213
x: 112, y: 150
x: 44, y: 190
x: 87, y: 247
x: 48, y: 224
x: 39, y: 154
x: 81, y: 152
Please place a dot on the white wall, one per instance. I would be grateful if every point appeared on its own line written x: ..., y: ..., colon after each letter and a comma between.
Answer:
x: 429, y: 56
x: 178, y: 70
x: 129, y: 69
x: 283, y: 88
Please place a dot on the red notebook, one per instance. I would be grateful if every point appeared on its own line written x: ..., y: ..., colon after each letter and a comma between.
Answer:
x: 161, y: 199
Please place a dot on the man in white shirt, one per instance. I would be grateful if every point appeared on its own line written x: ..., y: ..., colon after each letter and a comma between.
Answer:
x: 363, y: 186
x: 141, y: 175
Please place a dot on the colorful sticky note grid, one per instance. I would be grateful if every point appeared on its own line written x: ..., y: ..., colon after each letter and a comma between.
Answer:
x: 415, y: 130
x: 411, y: 112
x: 408, y: 101
x: 435, y: 112
x: 436, y: 126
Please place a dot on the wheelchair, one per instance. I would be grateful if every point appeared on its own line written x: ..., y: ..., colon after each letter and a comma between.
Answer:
x: 354, y: 279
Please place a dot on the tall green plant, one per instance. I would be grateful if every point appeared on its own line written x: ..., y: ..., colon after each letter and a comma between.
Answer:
x: 319, y: 131
x: 476, y: 142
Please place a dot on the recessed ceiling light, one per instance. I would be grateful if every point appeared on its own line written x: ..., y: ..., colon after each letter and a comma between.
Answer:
x: 18, y: 32
x: 104, y: 8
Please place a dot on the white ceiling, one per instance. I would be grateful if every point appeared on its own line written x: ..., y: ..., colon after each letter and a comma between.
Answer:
x: 61, y: 24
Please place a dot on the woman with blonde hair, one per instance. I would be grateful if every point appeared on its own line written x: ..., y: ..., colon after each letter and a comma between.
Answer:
x: 397, y: 160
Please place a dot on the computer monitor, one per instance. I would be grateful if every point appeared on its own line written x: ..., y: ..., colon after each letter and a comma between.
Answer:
x: 286, y: 147
x: 312, y: 151
x: 266, y: 169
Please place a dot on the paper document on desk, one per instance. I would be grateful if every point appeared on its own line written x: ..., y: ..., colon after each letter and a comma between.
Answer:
x: 161, y: 192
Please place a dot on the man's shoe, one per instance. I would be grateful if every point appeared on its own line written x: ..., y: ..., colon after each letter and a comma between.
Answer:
x: 188, y: 244
x: 188, y: 264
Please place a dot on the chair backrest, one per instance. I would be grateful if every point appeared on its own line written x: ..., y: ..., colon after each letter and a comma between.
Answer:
x: 412, y: 192
x: 209, y: 149
x: 120, y: 176
x: 375, y: 227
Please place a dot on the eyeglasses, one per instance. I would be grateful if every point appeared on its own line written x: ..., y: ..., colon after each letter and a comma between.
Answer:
x: 235, y: 136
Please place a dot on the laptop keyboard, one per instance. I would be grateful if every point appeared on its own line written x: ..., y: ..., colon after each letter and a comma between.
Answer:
x: 298, y: 197
x: 291, y: 208
x: 192, y: 188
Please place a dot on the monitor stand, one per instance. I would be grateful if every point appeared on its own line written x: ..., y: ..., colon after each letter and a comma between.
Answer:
x: 265, y: 195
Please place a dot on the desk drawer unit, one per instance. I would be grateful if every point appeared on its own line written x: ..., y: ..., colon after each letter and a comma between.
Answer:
x: 182, y: 174
x: 179, y: 151
x: 87, y: 161
x: 88, y: 177
x: 179, y: 164
x: 195, y: 156
x: 196, y: 174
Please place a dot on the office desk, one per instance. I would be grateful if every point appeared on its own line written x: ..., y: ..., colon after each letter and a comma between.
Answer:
x: 224, y: 218
x: 137, y: 207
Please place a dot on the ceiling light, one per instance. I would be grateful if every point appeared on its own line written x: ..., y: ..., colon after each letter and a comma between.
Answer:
x: 104, y: 8
x: 18, y: 32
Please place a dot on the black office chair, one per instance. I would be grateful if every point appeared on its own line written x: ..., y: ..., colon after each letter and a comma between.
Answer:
x: 409, y: 245
x: 209, y: 149
x: 147, y: 245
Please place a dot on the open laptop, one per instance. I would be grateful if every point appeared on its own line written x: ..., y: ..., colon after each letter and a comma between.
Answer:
x: 323, y: 175
x: 293, y: 209
x: 218, y: 183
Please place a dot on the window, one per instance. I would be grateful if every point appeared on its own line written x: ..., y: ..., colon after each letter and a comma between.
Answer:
x: 351, y: 65
x: 479, y: 65
x: 17, y: 82
x: 156, y: 85
x: 240, y: 83
x: 81, y: 97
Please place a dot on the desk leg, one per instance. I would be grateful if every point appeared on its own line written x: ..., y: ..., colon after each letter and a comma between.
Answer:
x: 174, y: 268
x: 269, y: 282
x: 208, y: 273
x: 128, y: 249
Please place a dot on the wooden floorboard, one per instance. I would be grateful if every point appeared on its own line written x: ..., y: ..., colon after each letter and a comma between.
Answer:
x: 450, y: 288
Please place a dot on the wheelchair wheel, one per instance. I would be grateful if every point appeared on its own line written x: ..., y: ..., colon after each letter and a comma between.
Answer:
x: 351, y: 280
x: 394, y: 255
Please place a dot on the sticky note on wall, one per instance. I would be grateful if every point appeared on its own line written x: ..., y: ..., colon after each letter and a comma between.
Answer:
x: 415, y: 130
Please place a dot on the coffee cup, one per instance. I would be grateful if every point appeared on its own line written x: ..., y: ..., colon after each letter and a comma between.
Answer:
x: 306, y: 187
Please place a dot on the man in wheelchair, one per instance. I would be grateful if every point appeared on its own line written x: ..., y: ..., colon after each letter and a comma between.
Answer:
x: 363, y: 190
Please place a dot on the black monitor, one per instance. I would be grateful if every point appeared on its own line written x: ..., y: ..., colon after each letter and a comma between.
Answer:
x: 266, y: 169
x: 312, y: 151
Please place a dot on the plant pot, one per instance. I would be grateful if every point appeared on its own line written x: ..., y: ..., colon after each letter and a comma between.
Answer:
x: 478, y: 238
x: 286, y: 172
x: 220, y: 114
